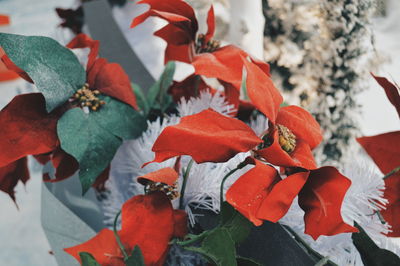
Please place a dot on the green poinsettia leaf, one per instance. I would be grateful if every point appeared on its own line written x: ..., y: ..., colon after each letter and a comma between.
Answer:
x: 140, y: 98
x: 238, y: 226
x: 136, y: 258
x: 88, y: 142
x: 158, y: 97
x: 54, y: 69
x: 217, y: 247
x: 370, y: 253
x: 87, y: 259
x: 120, y: 119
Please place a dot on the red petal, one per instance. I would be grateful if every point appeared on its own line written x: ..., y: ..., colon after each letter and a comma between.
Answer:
x: 232, y: 94
x: 391, y: 90
x: 112, y: 80
x: 300, y: 157
x: 279, y: 200
x: 42, y: 158
x: 210, y: 24
x: 103, y: 247
x: 4, y: 20
x: 301, y: 123
x: 262, y: 92
x: 95, y: 70
x: 261, y: 64
x: 165, y: 175
x: 173, y: 11
x: 148, y: 221
x: 392, y: 212
x: 226, y: 63
x: 248, y: 192
x: 181, y: 53
x: 180, y: 225
x: 321, y: 199
x: 179, y: 44
x: 6, y: 74
x: 65, y: 165
x: 11, y: 174
x: 189, y: 87
x: 27, y: 128
x: 13, y: 67
x: 101, y: 180
x: 207, y: 136
x: 173, y: 35
x: 383, y: 149
x: 84, y: 41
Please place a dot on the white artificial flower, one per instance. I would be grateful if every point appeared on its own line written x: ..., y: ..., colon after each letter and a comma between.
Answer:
x: 206, y: 100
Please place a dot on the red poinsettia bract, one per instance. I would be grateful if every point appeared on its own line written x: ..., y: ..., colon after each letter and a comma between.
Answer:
x: 261, y: 194
x: 148, y: 221
x: 384, y: 150
x: 185, y: 44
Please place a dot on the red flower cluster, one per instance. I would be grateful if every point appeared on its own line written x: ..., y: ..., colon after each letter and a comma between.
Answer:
x: 261, y: 193
x: 28, y: 129
x: 208, y: 58
x: 148, y: 221
x: 384, y: 150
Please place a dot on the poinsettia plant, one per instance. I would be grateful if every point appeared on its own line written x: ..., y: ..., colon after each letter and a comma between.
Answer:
x: 85, y: 114
x: 79, y: 118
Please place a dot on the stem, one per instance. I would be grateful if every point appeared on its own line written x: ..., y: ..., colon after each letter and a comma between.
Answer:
x: 221, y: 193
x: 394, y: 171
x: 185, y: 178
x: 193, y: 240
x: 121, y: 246
x: 306, y: 246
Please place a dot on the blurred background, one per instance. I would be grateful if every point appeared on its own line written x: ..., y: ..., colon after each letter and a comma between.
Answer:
x: 321, y: 53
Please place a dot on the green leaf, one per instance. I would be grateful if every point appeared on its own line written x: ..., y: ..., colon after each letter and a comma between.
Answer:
x: 371, y: 254
x: 140, y: 98
x: 88, y: 142
x: 158, y: 97
x: 238, y: 226
x: 120, y: 119
x: 217, y: 247
x: 54, y: 69
x: 246, y: 262
x: 136, y: 258
x: 87, y: 259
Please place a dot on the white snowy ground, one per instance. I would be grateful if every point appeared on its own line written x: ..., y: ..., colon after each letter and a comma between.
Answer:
x: 22, y: 241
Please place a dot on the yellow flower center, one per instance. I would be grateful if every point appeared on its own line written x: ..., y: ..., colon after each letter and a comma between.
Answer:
x: 287, y: 140
x: 88, y: 98
x: 170, y: 191
x: 206, y: 47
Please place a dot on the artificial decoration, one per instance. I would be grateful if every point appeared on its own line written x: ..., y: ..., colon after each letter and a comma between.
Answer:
x: 186, y: 172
